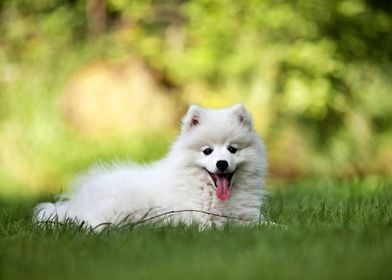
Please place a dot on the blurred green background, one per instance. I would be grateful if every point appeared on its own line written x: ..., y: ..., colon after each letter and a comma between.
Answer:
x: 96, y: 81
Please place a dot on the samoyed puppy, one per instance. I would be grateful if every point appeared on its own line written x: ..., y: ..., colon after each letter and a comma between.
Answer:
x: 213, y: 174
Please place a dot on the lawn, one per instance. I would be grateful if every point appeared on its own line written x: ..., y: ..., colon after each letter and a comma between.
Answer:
x: 329, y: 230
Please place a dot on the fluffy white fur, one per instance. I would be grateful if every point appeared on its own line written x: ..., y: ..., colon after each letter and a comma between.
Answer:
x: 127, y: 193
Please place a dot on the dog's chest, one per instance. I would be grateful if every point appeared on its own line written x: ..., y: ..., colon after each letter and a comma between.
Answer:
x: 215, y: 210
x: 200, y: 198
x: 205, y: 197
x: 202, y: 204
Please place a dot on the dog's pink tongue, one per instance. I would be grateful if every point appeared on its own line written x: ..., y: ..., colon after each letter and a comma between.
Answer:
x: 222, y: 187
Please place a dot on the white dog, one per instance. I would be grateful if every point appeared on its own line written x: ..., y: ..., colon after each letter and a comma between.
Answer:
x: 213, y: 174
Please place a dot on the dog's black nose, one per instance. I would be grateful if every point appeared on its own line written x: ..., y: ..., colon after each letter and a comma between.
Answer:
x: 222, y: 165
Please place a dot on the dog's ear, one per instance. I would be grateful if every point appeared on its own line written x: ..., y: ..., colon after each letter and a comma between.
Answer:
x: 243, y: 115
x: 192, y: 118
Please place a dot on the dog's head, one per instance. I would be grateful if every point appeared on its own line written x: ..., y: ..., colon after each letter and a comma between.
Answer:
x: 222, y: 143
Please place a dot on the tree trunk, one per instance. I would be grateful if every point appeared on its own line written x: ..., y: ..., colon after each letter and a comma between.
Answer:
x: 96, y: 17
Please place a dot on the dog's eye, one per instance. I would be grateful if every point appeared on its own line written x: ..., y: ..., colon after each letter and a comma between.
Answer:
x: 207, y: 151
x: 232, y: 149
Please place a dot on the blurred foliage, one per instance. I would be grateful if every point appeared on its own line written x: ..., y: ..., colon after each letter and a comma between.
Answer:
x: 315, y: 74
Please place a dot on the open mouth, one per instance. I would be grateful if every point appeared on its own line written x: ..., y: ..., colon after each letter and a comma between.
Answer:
x: 222, y: 184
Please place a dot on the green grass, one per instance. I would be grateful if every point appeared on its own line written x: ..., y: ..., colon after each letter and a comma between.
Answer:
x: 333, y: 230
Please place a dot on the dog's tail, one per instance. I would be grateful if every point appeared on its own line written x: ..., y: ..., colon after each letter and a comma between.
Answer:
x: 53, y: 212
